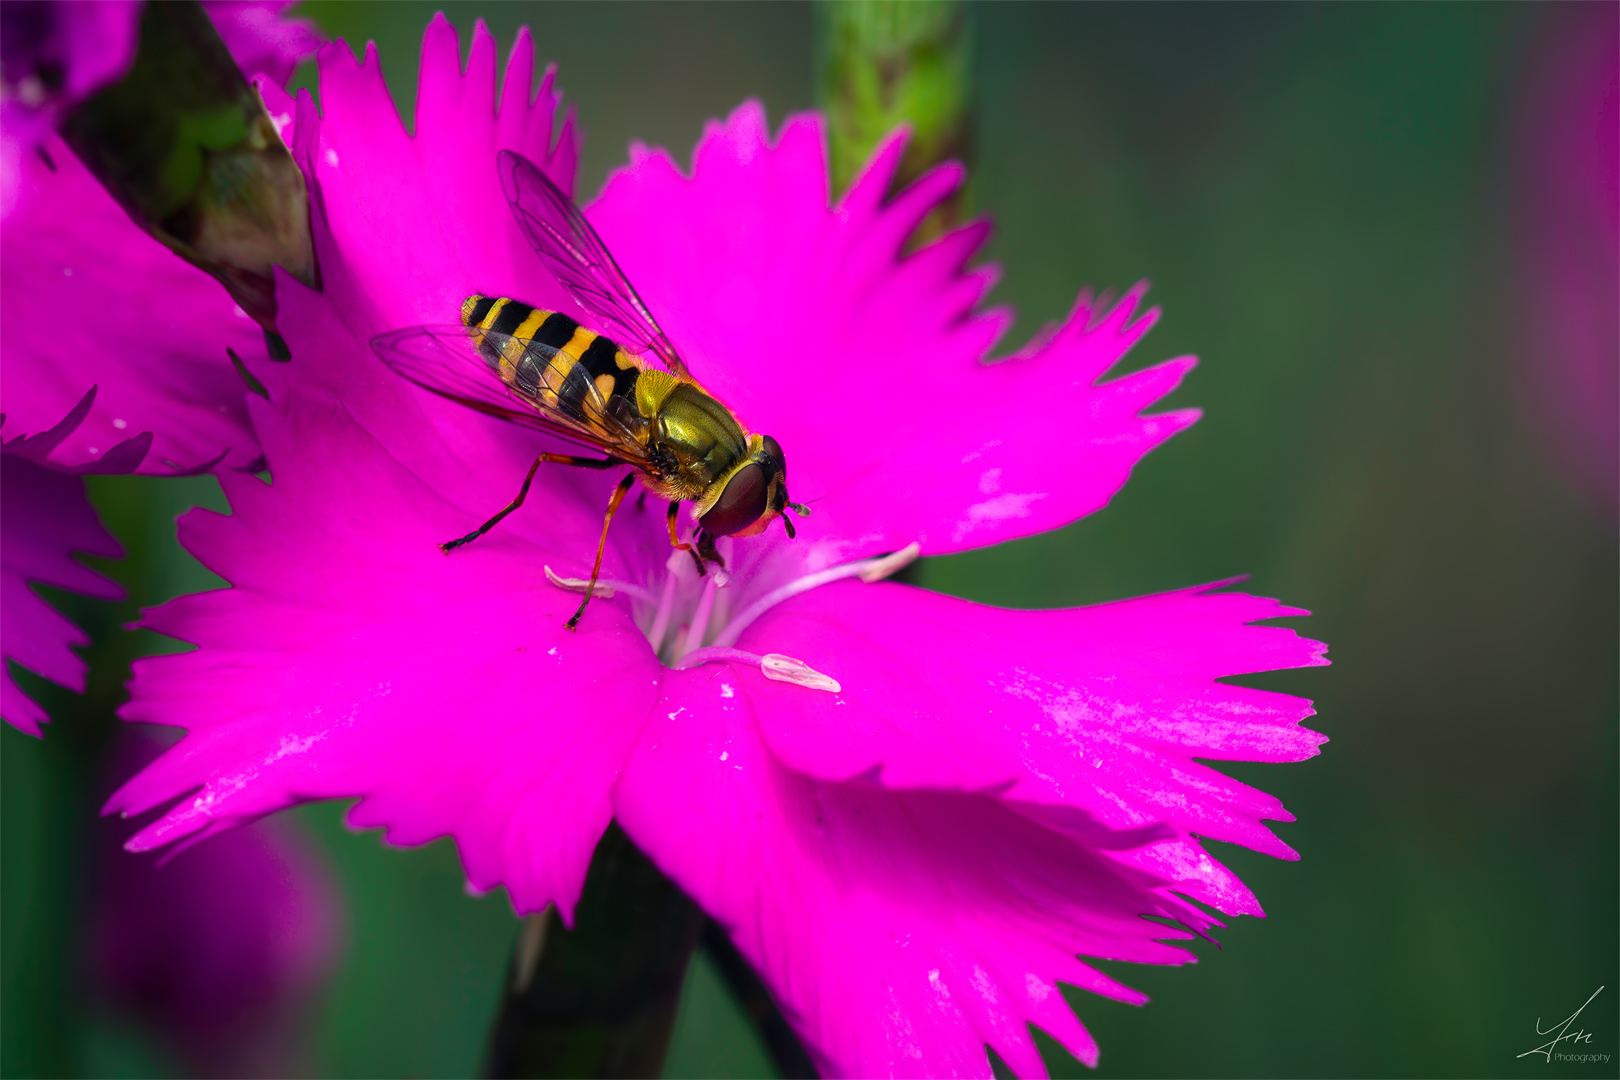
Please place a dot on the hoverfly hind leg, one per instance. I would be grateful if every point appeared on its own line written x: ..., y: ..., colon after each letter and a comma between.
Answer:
x: 601, y: 545
x: 523, y: 492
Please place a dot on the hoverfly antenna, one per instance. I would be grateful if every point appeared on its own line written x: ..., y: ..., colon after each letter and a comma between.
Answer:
x: 800, y: 509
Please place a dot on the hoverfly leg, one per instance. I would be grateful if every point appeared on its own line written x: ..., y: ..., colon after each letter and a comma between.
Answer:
x: 523, y: 492
x: 596, y: 567
x: 641, y: 500
x: 705, y: 548
x: 677, y: 543
x: 580, y: 462
x: 557, y: 459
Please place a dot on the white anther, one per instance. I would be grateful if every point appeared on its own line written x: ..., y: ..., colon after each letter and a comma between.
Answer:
x: 722, y: 577
x: 604, y: 589
x: 787, y: 669
x: 888, y: 565
x: 774, y: 666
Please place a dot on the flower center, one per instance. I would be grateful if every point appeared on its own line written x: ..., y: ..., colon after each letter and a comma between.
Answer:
x: 691, y: 619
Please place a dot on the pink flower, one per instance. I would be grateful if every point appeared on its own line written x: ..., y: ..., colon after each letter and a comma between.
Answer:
x: 147, y: 330
x: 52, y: 56
x: 44, y: 519
x: 262, y: 39
x: 913, y: 859
x: 112, y: 348
x: 56, y: 54
x: 1568, y: 172
x: 219, y: 949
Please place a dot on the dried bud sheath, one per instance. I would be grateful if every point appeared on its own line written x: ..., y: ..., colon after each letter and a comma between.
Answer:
x: 185, y: 146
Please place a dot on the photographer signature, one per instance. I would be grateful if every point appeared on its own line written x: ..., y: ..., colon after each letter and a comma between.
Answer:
x: 1561, y: 1032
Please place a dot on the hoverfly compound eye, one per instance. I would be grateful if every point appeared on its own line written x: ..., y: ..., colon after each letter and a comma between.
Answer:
x: 741, y: 504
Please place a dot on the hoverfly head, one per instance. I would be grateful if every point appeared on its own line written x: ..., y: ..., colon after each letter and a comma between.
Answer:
x: 754, y: 494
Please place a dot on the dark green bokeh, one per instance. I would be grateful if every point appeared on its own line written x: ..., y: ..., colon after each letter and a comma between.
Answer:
x: 1320, y: 194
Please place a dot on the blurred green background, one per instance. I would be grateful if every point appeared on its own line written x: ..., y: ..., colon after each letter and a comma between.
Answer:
x: 1321, y: 195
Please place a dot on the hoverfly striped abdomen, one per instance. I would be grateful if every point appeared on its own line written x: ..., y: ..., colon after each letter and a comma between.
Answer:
x: 549, y: 354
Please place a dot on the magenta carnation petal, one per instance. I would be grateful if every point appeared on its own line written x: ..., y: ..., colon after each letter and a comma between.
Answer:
x: 260, y: 38
x: 421, y: 222
x: 868, y: 366
x: 44, y: 519
x: 900, y: 930
x: 1102, y: 708
x: 467, y: 709
x: 88, y: 299
x: 52, y: 55
x: 353, y: 658
x: 406, y: 228
x: 1093, y: 715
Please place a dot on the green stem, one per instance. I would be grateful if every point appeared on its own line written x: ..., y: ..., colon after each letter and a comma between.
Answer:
x: 884, y: 63
x: 599, y: 1000
x: 757, y: 1004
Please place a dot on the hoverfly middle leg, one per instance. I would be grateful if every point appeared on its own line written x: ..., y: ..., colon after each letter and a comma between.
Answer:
x: 523, y: 492
x: 678, y: 544
x: 596, y: 567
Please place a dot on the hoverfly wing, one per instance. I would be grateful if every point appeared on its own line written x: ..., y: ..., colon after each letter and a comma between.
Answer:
x: 572, y: 251
x: 465, y: 364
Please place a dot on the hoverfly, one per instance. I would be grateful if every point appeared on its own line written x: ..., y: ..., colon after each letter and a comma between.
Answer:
x: 545, y: 371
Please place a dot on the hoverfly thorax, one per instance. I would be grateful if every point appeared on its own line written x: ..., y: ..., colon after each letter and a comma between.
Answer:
x: 700, y: 436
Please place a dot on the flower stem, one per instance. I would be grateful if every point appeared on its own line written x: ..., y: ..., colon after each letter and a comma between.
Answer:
x: 600, y: 999
x: 756, y: 1002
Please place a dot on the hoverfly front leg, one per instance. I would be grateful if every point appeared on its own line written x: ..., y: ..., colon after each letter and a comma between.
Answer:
x: 523, y: 492
x: 705, y: 548
x: 676, y: 542
x: 596, y: 567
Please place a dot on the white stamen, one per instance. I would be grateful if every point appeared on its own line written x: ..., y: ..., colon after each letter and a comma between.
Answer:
x: 700, y: 619
x: 666, y: 608
x: 605, y: 587
x: 889, y: 565
x: 878, y: 568
x: 774, y: 666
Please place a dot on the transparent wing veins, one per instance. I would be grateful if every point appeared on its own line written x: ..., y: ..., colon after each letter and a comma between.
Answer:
x: 464, y: 365
x: 575, y: 254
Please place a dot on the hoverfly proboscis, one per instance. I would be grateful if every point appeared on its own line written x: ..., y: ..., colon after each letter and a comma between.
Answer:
x: 543, y: 370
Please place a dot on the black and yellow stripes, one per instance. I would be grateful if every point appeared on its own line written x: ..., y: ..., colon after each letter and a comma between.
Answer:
x: 570, y: 361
